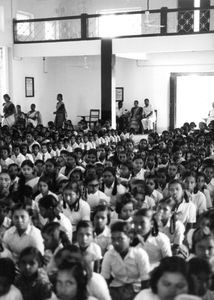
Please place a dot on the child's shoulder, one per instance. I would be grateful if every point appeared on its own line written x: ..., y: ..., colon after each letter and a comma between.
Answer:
x: 13, y: 293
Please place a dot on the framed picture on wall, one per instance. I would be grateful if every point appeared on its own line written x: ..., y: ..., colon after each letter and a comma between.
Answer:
x: 29, y: 87
x: 119, y: 93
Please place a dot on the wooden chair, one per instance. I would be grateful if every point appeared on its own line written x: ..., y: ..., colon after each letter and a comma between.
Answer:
x: 94, y: 116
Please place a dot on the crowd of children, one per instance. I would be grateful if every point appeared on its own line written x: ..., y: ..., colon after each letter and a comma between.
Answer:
x: 89, y: 214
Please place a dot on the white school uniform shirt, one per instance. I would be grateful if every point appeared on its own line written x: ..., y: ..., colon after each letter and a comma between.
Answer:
x: 65, y: 223
x: 134, y: 268
x: 83, y: 213
x: 208, y: 198
x: 210, y: 188
x: 18, y: 159
x: 16, y: 243
x: 140, y: 174
x: 69, y: 148
x: 186, y: 212
x: 94, y: 199
x: 157, y: 247
x: 86, y: 146
x: 46, y: 156
x: 156, y: 196
x: 108, y: 191
x: 146, y: 294
x: 37, y: 157
x: 12, y: 294
x: 74, y: 146
x: 148, y: 202
x: 178, y: 236
x: 6, y: 162
x: 103, y: 239
x: 98, y: 287
x: 92, y: 252
x: 29, y: 156
x: 31, y: 145
x: 200, y: 202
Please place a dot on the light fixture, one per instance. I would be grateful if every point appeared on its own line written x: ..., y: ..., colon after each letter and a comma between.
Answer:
x: 45, y: 69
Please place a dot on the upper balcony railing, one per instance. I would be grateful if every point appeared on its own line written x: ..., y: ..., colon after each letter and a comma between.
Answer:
x: 118, y: 25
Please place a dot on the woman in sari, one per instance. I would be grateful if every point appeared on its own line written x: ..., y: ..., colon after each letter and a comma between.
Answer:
x: 135, y: 118
x: 60, y: 112
x: 9, y: 111
x: 34, y: 116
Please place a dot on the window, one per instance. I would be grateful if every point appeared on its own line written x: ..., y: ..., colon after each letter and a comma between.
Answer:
x: 24, y: 29
x: 118, y: 25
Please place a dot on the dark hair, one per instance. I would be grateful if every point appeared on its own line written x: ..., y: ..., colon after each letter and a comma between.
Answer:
x: 50, y: 202
x: 7, y: 269
x: 169, y: 202
x: 47, y: 180
x: 198, y: 265
x: 28, y: 163
x: 34, y: 252
x: 121, y: 226
x: 143, y: 212
x: 201, y: 234
x: 122, y: 200
x: 6, y: 96
x: 177, y: 181
x: 113, y: 171
x: 20, y: 206
x: 84, y: 224
x: 172, y: 264
x: 51, y: 227
x: 79, y: 272
x: 102, y: 207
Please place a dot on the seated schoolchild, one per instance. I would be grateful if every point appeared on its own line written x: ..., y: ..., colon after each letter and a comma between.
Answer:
x: 7, y: 275
x: 50, y: 210
x: 138, y: 168
x: 169, y: 225
x: 201, y: 274
x: 94, y: 196
x: 96, y: 285
x: 89, y: 249
x: 169, y: 280
x: 32, y: 281
x: 126, y: 269
x: 101, y: 219
x: 22, y: 234
x: 148, y: 237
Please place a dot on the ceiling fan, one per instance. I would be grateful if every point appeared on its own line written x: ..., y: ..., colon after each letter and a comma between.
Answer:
x: 148, y: 22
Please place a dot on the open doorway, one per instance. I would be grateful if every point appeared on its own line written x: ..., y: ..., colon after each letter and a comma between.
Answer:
x: 191, y: 97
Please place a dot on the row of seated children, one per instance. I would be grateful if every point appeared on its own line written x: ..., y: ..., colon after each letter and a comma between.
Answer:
x: 126, y: 214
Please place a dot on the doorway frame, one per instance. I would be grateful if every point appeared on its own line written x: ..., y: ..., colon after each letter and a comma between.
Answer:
x: 173, y: 94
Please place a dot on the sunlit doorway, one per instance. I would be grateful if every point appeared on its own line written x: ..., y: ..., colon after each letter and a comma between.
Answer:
x: 191, y: 97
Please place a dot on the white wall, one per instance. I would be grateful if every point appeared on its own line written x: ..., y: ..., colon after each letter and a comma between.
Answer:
x: 6, y: 37
x: 52, y: 8
x: 77, y: 79
x: 150, y: 79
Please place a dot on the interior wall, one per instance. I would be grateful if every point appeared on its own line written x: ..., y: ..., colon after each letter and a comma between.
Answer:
x: 6, y: 37
x: 151, y: 79
x: 47, y: 8
x: 77, y: 78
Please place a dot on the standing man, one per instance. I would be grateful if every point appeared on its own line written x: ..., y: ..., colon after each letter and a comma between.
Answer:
x: 148, y: 116
x: 119, y: 115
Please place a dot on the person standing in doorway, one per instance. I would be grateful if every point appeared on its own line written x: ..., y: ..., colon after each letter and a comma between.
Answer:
x: 60, y: 112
